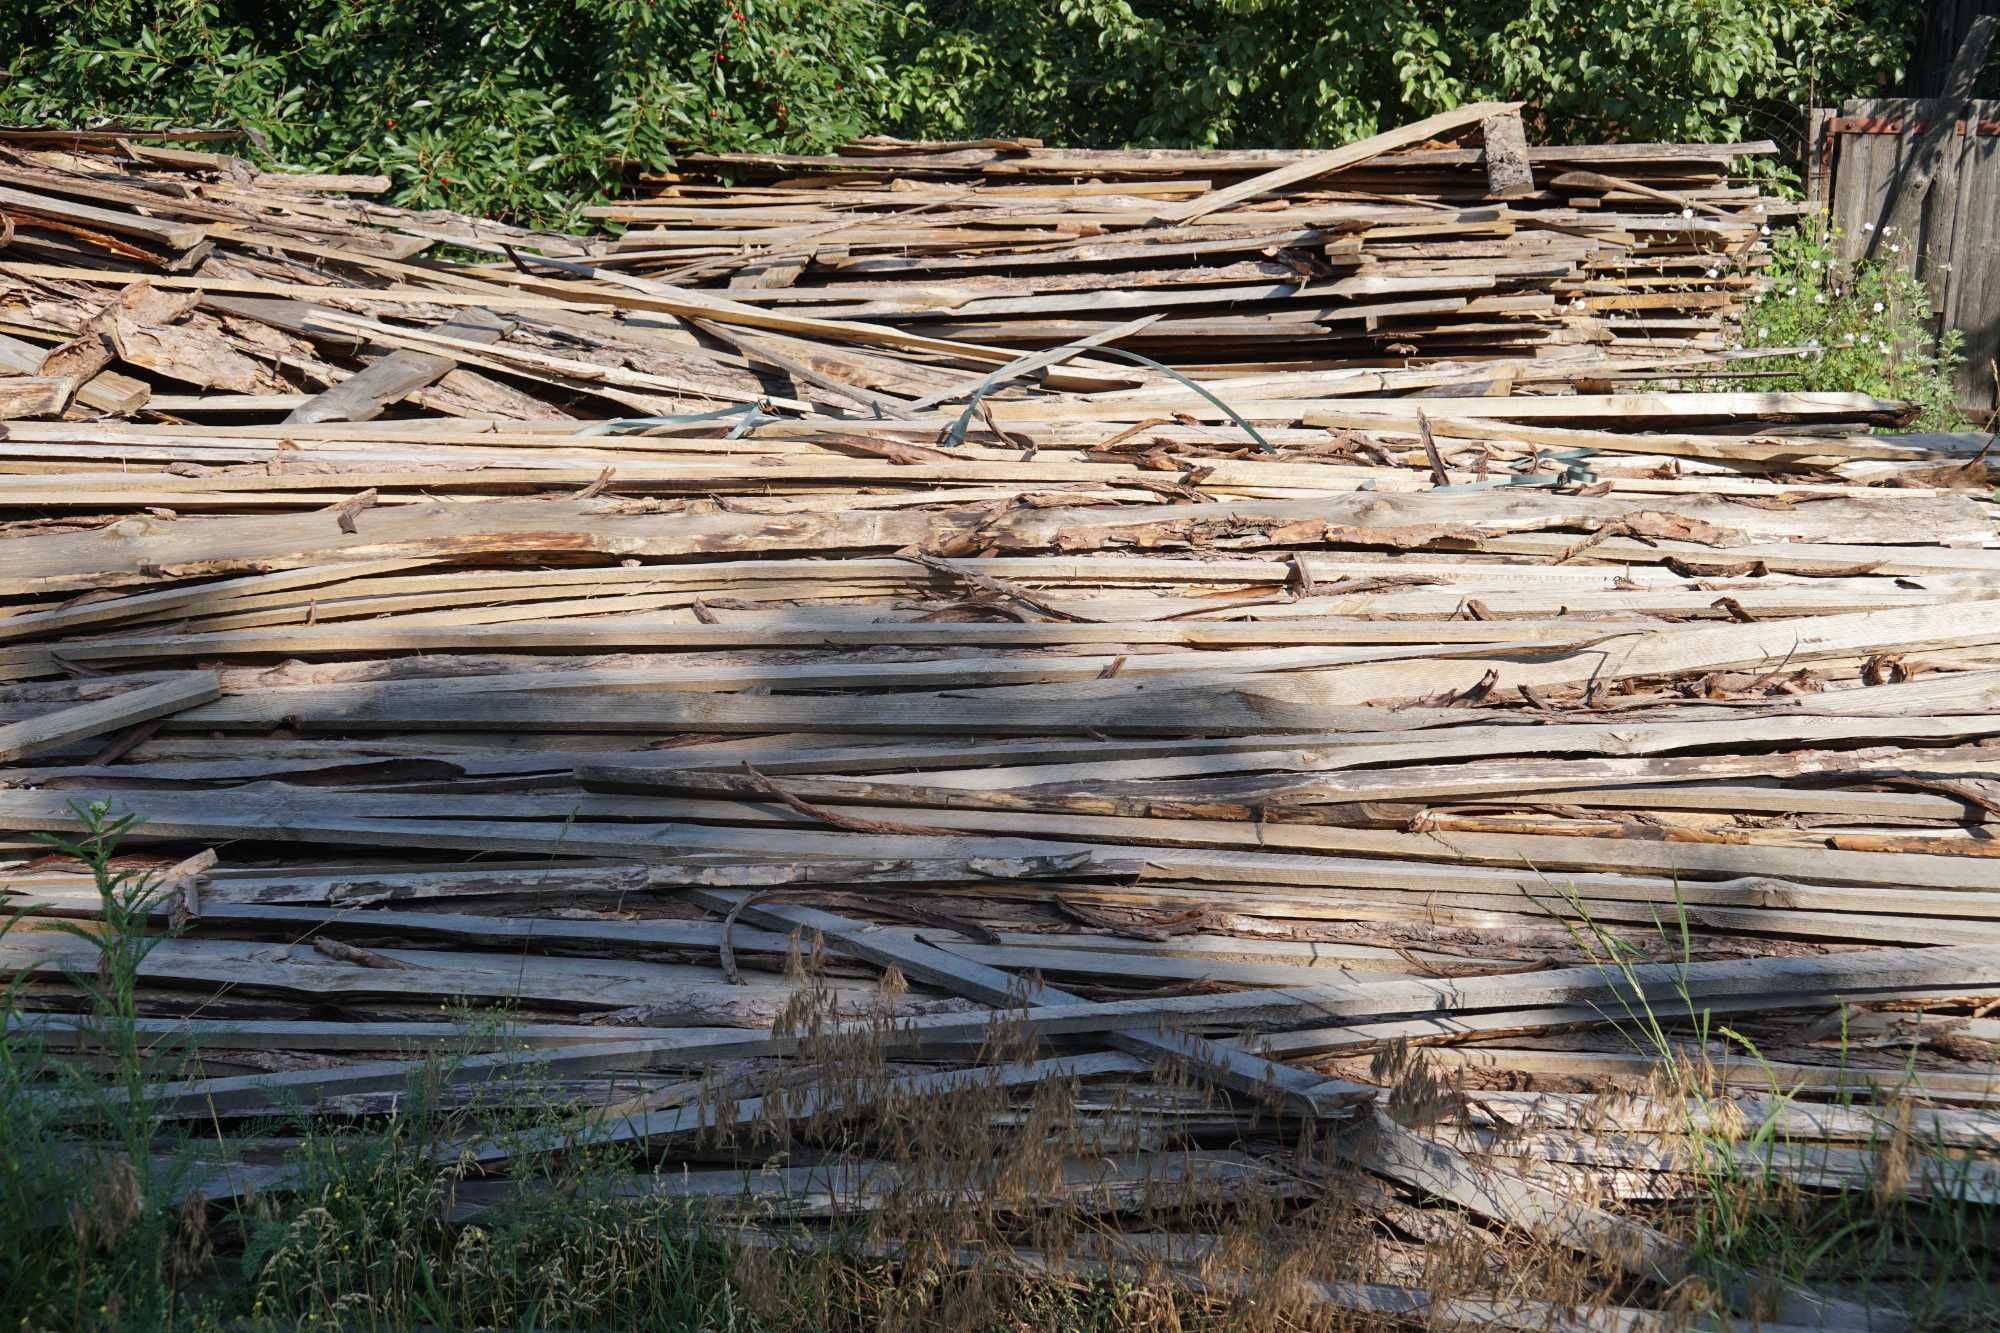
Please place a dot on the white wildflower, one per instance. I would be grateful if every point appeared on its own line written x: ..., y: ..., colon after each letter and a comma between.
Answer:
x: 1886, y: 347
x: 1687, y: 212
x: 1819, y: 298
x: 1715, y: 273
x: 1760, y: 208
x: 1895, y: 249
x: 1764, y: 230
x: 1868, y: 226
x: 1879, y: 307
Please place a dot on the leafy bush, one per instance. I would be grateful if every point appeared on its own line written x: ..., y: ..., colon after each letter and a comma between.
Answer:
x: 526, y: 108
x: 1308, y: 72
x: 1865, y: 326
x: 516, y: 109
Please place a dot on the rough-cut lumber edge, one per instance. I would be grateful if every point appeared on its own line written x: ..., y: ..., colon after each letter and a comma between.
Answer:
x: 33, y: 395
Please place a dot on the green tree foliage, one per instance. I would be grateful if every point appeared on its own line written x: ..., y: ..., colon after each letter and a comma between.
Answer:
x: 1233, y: 73
x: 523, y: 107
x: 518, y: 108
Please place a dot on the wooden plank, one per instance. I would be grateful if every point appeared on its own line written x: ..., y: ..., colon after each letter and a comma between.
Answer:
x: 79, y: 721
x: 1227, y: 1064
x: 366, y: 394
x: 1509, y: 175
x: 1102, y: 695
x: 1315, y: 165
x: 34, y: 395
x: 1384, y: 1147
x: 107, y: 391
x: 1800, y: 981
x: 172, y: 235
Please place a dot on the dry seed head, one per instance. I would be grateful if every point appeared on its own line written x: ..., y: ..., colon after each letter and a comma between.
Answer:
x: 1894, y: 1153
x: 192, y: 1246
x: 111, y: 1208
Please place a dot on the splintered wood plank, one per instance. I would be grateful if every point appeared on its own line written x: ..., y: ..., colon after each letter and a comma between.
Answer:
x: 571, y: 527
x: 172, y: 235
x: 680, y: 995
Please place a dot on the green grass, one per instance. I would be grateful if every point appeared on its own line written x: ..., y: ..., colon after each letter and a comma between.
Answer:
x: 377, y: 1229
x: 97, y: 1231
x: 1934, y: 1256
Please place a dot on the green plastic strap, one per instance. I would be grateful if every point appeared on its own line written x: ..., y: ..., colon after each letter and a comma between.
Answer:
x: 956, y: 435
x: 752, y: 414
x: 1576, y: 471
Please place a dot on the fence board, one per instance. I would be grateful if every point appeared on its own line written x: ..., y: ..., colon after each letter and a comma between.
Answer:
x: 1953, y: 250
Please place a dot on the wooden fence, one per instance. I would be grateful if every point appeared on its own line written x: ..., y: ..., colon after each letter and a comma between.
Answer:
x: 1862, y: 158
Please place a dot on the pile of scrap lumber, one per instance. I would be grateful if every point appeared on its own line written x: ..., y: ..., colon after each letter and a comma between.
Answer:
x: 545, y: 631
x: 1254, y: 260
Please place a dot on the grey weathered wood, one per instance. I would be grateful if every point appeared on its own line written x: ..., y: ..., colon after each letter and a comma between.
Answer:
x: 1920, y: 169
x: 1171, y: 1024
x: 1382, y: 1146
x: 776, y: 841
x: 368, y: 393
x: 680, y: 995
x: 1952, y: 238
x: 1509, y: 174
x: 1225, y: 1063
x: 1322, y: 163
x: 64, y: 1032
x: 811, y: 1100
x: 62, y: 725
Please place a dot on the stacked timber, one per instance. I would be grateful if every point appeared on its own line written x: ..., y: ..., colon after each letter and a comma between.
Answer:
x: 1386, y: 253
x: 647, y: 662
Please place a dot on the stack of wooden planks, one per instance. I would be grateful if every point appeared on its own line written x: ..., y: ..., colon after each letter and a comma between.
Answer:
x: 1394, y: 249
x: 1256, y: 724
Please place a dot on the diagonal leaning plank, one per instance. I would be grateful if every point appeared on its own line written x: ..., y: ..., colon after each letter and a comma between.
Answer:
x: 368, y: 392
x: 80, y: 721
x: 1228, y: 1064
x: 1320, y: 164
x: 1380, y: 1146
